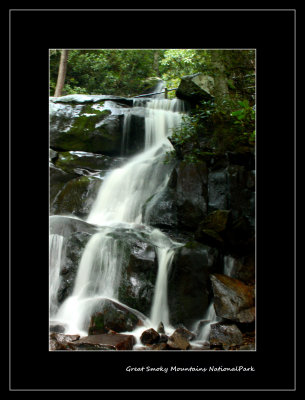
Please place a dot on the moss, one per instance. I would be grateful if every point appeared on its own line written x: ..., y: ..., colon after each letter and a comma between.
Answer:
x: 217, y: 220
x: 97, y: 324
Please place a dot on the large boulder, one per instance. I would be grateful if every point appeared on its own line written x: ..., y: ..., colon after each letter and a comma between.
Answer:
x: 76, y: 234
x: 195, y: 88
x: 183, y: 202
x: 189, y: 289
x: 139, y: 269
x: 85, y: 127
x: 225, y: 334
x: 110, y: 315
x: 133, y: 131
x: 149, y: 336
x: 233, y: 299
x: 74, y: 245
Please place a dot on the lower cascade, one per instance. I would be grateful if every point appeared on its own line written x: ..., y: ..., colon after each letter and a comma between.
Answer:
x: 119, y: 206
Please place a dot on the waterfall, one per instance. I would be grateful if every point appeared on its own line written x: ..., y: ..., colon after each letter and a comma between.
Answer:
x: 119, y: 203
x: 55, y: 251
x: 210, y: 315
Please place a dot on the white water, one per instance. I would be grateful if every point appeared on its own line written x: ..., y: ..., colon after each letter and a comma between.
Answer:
x: 55, y: 251
x: 119, y: 203
x: 210, y: 314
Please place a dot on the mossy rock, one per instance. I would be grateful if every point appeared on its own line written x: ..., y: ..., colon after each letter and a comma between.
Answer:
x: 76, y: 197
x: 85, y: 127
x: 217, y: 221
x: 71, y: 162
x: 109, y: 315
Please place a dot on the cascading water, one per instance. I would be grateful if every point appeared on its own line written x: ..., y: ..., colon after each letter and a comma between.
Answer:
x: 210, y: 315
x: 119, y: 203
x: 55, y: 251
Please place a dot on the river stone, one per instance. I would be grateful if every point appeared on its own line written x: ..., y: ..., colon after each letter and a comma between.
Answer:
x: 149, y: 336
x: 187, y: 334
x: 231, y: 297
x: 109, y: 315
x: 161, y: 328
x: 178, y: 341
x: 225, y: 334
x: 112, y: 341
x: 59, y: 341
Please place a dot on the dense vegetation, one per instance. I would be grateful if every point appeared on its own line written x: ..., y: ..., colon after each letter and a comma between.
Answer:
x: 225, y: 123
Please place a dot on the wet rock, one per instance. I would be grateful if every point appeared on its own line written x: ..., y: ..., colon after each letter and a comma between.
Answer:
x: 218, y: 190
x: 159, y: 346
x: 55, y: 327
x: 74, y: 161
x: 65, y: 226
x: 59, y: 341
x: 189, y: 284
x: 232, y: 297
x: 191, y: 194
x: 139, y: 273
x: 87, y: 98
x: 85, y: 127
x: 246, y: 316
x: 109, y: 315
x: 74, y: 245
x: 161, y: 328
x: 213, y: 228
x: 150, y: 336
x: 58, y: 179
x: 163, y: 338
x: 188, y: 335
x: 134, y: 131
x: 183, y: 202
x: 53, y: 155
x: 76, y: 196
x: 218, y: 220
x: 112, y: 341
x: 242, y: 268
x: 178, y: 341
x: 225, y: 334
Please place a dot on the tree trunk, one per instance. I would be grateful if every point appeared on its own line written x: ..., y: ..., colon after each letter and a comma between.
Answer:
x: 220, y: 80
x: 61, y: 73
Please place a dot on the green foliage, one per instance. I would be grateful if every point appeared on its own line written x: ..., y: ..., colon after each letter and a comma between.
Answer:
x: 244, y: 119
x: 207, y: 131
x: 179, y: 62
x: 113, y: 72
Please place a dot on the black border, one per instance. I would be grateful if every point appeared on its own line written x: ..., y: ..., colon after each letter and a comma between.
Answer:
x: 32, y: 33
